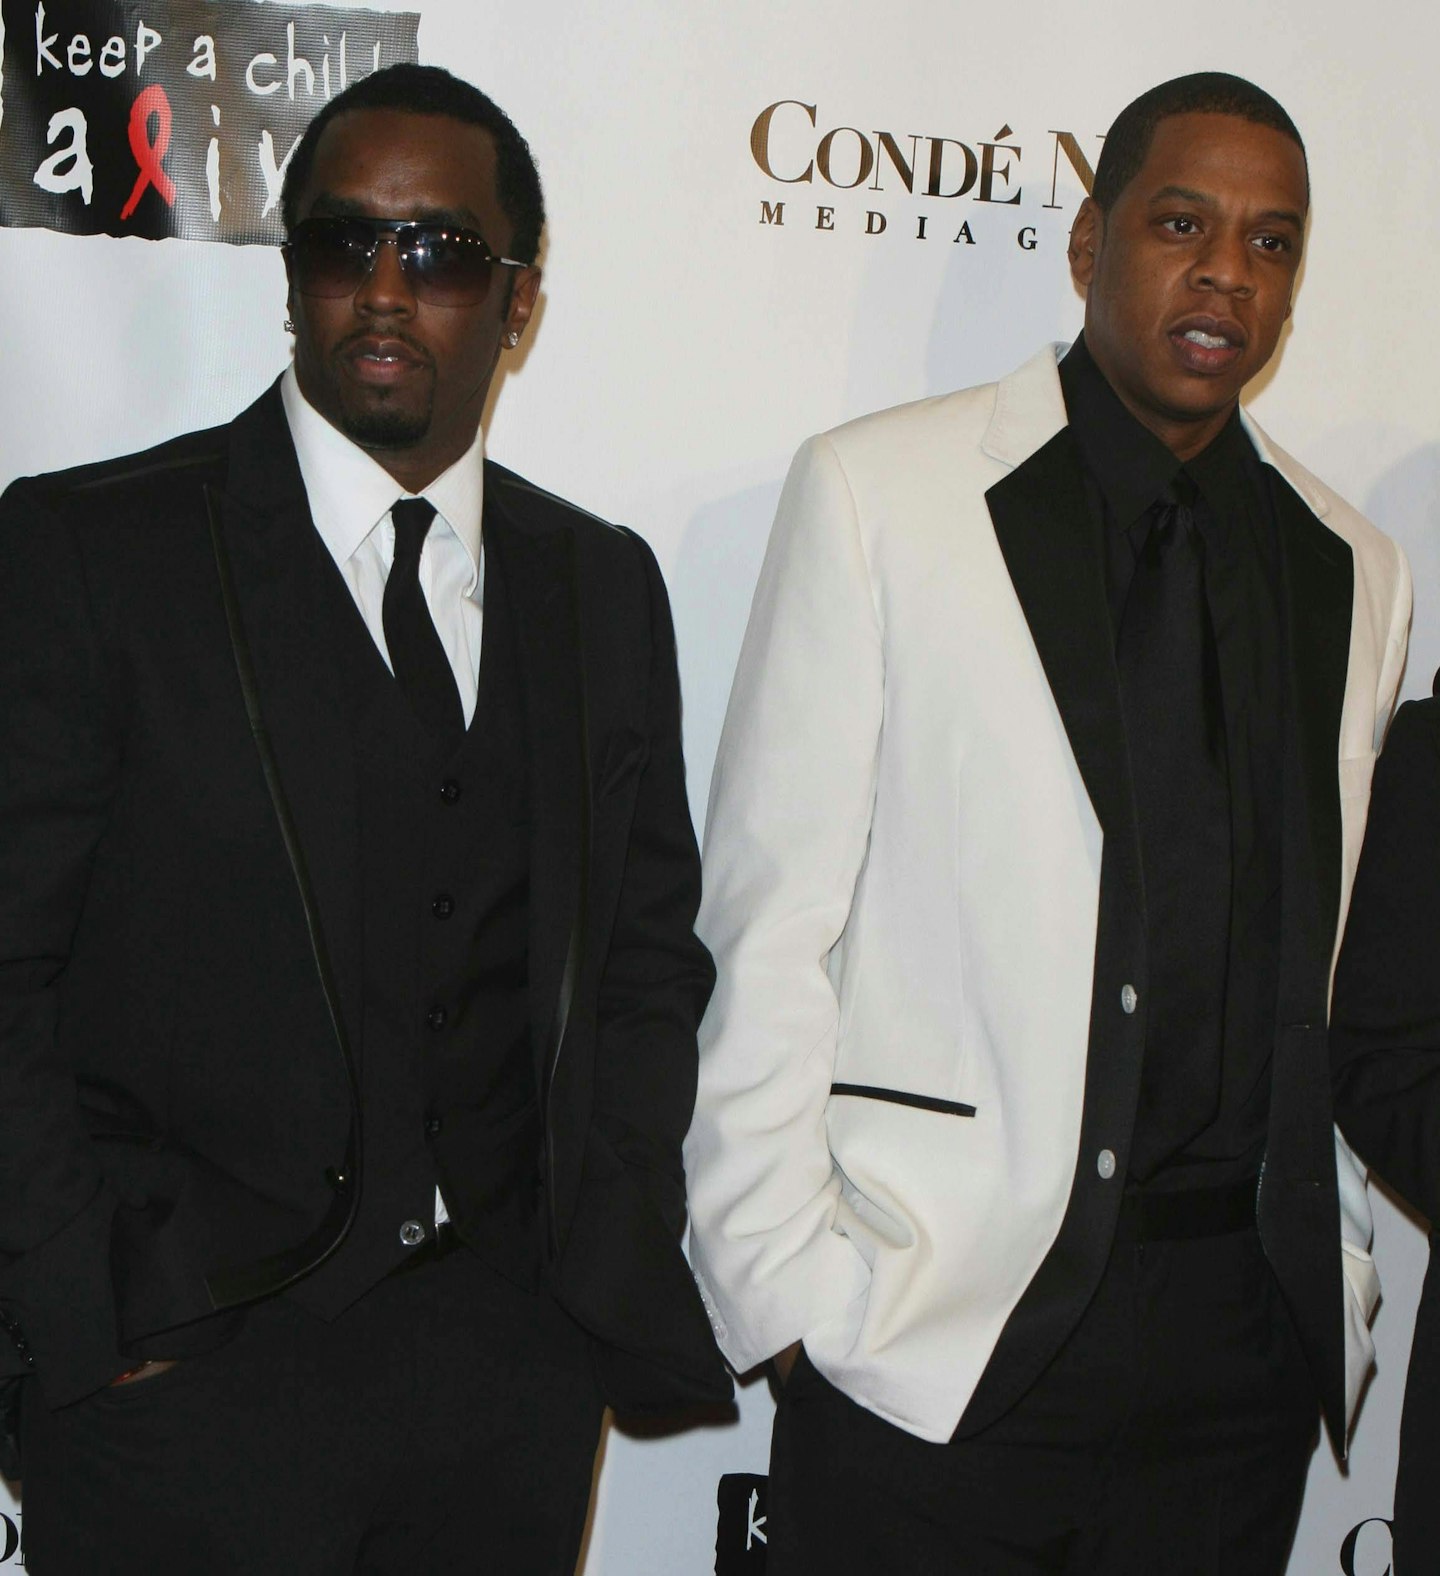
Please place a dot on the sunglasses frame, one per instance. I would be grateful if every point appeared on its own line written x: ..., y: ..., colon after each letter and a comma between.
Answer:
x: 407, y: 236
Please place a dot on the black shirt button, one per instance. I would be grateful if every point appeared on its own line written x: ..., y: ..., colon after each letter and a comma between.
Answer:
x: 442, y: 906
x: 433, y: 1125
x: 449, y: 790
x: 436, y: 1017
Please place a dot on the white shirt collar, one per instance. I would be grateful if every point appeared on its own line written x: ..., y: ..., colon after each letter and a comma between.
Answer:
x: 350, y: 493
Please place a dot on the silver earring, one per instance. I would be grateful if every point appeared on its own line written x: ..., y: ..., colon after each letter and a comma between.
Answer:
x: 512, y: 339
x: 289, y: 325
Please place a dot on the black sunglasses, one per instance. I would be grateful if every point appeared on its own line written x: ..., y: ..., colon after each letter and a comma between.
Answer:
x: 443, y: 264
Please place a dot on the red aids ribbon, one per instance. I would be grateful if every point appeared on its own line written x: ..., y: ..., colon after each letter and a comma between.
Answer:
x: 149, y: 156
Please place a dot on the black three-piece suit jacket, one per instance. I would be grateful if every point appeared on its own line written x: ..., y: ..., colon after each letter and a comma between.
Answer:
x: 179, y: 1123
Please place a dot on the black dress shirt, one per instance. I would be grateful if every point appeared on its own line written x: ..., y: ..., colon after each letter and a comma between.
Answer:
x: 1126, y: 469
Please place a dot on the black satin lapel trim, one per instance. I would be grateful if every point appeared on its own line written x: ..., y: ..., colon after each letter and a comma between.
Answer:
x: 540, y: 579
x: 264, y: 472
x: 1298, y: 1207
x: 277, y: 562
x: 1317, y: 577
x: 1048, y: 540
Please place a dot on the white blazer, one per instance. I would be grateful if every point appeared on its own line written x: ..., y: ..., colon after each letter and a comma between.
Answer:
x: 902, y: 871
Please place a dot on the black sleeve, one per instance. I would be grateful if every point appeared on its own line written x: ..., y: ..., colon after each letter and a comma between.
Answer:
x: 60, y: 761
x: 657, y: 976
x: 1385, y: 1019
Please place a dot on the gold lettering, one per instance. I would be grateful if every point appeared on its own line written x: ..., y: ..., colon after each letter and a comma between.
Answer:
x: 1065, y: 143
x: 760, y: 141
x: 822, y: 157
x: 938, y: 146
x: 904, y: 168
x: 989, y: 174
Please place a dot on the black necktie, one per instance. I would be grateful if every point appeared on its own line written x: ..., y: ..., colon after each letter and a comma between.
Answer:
x: 421, y: 667
x: 1175, y: 725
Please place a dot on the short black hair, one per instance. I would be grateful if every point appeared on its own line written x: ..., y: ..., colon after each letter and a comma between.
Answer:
x: 1127, y: 143
x: 431, y: 90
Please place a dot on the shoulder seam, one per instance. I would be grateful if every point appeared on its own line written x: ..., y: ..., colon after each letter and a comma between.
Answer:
x: 519, y: 484
x: 180, y: 463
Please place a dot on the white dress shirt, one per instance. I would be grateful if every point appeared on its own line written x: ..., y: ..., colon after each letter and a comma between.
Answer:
x: 350, y: 497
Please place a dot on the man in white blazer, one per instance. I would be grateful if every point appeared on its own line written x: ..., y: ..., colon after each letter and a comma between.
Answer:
x: 1031, y: 831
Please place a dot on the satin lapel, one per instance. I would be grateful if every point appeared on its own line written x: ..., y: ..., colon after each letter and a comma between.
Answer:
x: 1048, y: 539
x: 277, y: 562
x: 537, y: 567
x: 1298, y: 1206
x: 1317, y: 574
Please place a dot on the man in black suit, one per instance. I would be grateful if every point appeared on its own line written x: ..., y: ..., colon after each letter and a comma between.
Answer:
x: 348, y: 987
x: 1385, y: 1047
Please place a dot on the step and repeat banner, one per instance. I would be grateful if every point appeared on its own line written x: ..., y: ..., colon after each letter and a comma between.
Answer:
x: 763, y: 220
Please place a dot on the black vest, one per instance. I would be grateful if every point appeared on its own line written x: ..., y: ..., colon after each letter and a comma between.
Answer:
x: 447, y: 1071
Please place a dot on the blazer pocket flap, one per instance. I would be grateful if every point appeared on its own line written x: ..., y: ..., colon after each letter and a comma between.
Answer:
x: 917, y: 1102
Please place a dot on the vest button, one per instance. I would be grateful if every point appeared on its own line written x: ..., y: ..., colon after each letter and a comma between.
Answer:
x: 412, y: 1233
x: 449, y: 790
x: 442, y: 905
x: 436, y: 1017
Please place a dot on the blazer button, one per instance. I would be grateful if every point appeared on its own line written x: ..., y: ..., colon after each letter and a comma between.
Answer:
x: 412, y: 1233
x: 1105, y: 1164
x: 436, y: 1017
x: 1129, y: 999
x: 449, y: 790
x: 442, y: 905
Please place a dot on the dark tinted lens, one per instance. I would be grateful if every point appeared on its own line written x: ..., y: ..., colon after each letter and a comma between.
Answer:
x: 445, y: 267
x: 330, y: 257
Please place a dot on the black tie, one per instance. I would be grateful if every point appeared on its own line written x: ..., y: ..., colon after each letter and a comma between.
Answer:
x: 421, y: 667
x: 1175, y: 725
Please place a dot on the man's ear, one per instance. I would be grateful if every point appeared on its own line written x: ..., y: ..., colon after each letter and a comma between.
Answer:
x: 523, y: 294
x: 1085, y: 235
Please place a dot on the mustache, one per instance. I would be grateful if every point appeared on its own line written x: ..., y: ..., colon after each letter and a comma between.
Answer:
x: 413, y: 346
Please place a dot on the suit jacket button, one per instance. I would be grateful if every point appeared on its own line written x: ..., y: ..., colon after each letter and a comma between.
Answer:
x: 436, y: 1017
x: 442, y: 905
x: 337, y: 1178
x: 412, y: 1233
x: 449, y: 790
x: 433, y: 1125
x: 1129, y: 999
x: 1105, y: 1164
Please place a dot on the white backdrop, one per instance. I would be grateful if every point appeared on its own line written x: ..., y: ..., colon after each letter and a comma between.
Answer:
x: 686, y: 346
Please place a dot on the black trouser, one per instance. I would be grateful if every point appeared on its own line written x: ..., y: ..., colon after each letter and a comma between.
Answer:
x: 1170, y: 1437
x: 446, y: 1423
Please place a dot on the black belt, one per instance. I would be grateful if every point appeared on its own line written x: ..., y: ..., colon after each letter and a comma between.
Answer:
x: 1194, y: 1212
